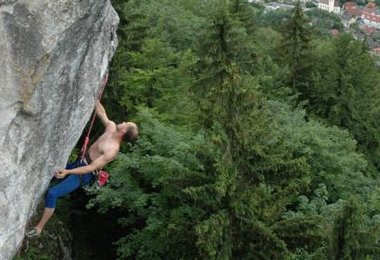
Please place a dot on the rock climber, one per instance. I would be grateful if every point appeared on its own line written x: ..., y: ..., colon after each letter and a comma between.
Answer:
x: 101, y: 152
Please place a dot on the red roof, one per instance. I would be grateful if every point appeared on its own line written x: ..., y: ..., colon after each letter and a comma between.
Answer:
x: 371, y: 5
x: 371, y: 17
x: 350, y: 5
x: 334, y: 32
x: 351, y: 8
x: 368, y: 29
x: 368, y: 12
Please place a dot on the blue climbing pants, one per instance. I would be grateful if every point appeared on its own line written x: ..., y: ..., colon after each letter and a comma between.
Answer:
x: 67, y: 185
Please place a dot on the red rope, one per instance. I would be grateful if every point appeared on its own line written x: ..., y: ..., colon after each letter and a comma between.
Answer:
x: 87, y: 138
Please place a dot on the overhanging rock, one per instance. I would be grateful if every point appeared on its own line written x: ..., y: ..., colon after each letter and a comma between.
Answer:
x: 53, y: 55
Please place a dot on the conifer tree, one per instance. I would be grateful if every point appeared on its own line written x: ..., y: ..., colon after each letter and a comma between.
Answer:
x: 346, y: 92
x: 235, y: 116
x: 243, y: 12
x: 224, y: 50
x: 131, y: 33
x: 295, y: 52
x: 247, y: 177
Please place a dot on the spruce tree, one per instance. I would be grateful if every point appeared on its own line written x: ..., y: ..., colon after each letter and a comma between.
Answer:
x: 248, y: 177
x: 224, y: 50
x: 132, y: 32
x: 346, y: 92
x: 245, y: 170
x: 244, y: 12
x: 295, y: 52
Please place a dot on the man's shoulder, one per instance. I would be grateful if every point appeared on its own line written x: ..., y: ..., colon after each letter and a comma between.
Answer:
x: 111, y: 125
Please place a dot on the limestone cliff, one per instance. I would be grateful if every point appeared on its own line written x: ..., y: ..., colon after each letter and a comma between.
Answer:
x: 53, y: 55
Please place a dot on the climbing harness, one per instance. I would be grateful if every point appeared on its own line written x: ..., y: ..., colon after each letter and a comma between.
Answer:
x: 100, y: 175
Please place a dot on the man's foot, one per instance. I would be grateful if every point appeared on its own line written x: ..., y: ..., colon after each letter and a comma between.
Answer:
x: 33, y: 232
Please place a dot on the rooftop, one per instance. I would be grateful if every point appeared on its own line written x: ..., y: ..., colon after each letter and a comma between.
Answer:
x: 326, y: 2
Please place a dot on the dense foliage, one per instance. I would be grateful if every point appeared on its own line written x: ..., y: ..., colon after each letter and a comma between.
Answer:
x: 259, y: 138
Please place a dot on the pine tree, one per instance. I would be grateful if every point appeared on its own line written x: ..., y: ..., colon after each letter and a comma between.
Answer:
x: 134, y: 25
x: 247, y: 177
x: 224, y: 50
x: 243, y: 12
x: 345, y: 90
x: 131, y: 33
x: 295, y: 52
x: 245, y: 168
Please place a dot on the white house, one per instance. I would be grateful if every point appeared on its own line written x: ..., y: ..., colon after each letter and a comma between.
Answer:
x: 331, y: 6
x: 371, y: 15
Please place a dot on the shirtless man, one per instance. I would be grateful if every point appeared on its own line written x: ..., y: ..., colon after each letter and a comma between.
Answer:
x: 79, y: 173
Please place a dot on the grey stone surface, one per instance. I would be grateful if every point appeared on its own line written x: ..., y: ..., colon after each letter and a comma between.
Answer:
x: 53, y: 55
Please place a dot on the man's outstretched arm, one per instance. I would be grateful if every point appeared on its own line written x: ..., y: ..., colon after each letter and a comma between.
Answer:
x: 95, y: 165
x: 101, y: 113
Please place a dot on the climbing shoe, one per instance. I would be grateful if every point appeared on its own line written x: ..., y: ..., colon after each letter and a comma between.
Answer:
x: 32, y: 233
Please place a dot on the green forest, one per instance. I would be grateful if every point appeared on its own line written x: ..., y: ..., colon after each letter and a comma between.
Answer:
x: 259, y: 139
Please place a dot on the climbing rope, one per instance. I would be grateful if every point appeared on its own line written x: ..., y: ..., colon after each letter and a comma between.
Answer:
x: 87, y: 138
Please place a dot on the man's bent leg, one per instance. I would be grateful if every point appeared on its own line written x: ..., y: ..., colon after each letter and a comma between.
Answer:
x: 71, y: 183
x: 48, y: 212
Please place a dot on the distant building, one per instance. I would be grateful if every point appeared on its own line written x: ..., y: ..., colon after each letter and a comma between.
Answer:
x: 292, y: 2
x: 370, y: 14
x: 348, y: 20
x: 334, y: 32
x: 272, y: 6
x: 351, y: 8
x: 303, y: 1
x: 375, y: 51
x: 368, y: 29
x: 331, y: 6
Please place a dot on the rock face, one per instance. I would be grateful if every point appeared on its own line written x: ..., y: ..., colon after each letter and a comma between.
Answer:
x: 54, y: 243
x: 53, y: 55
